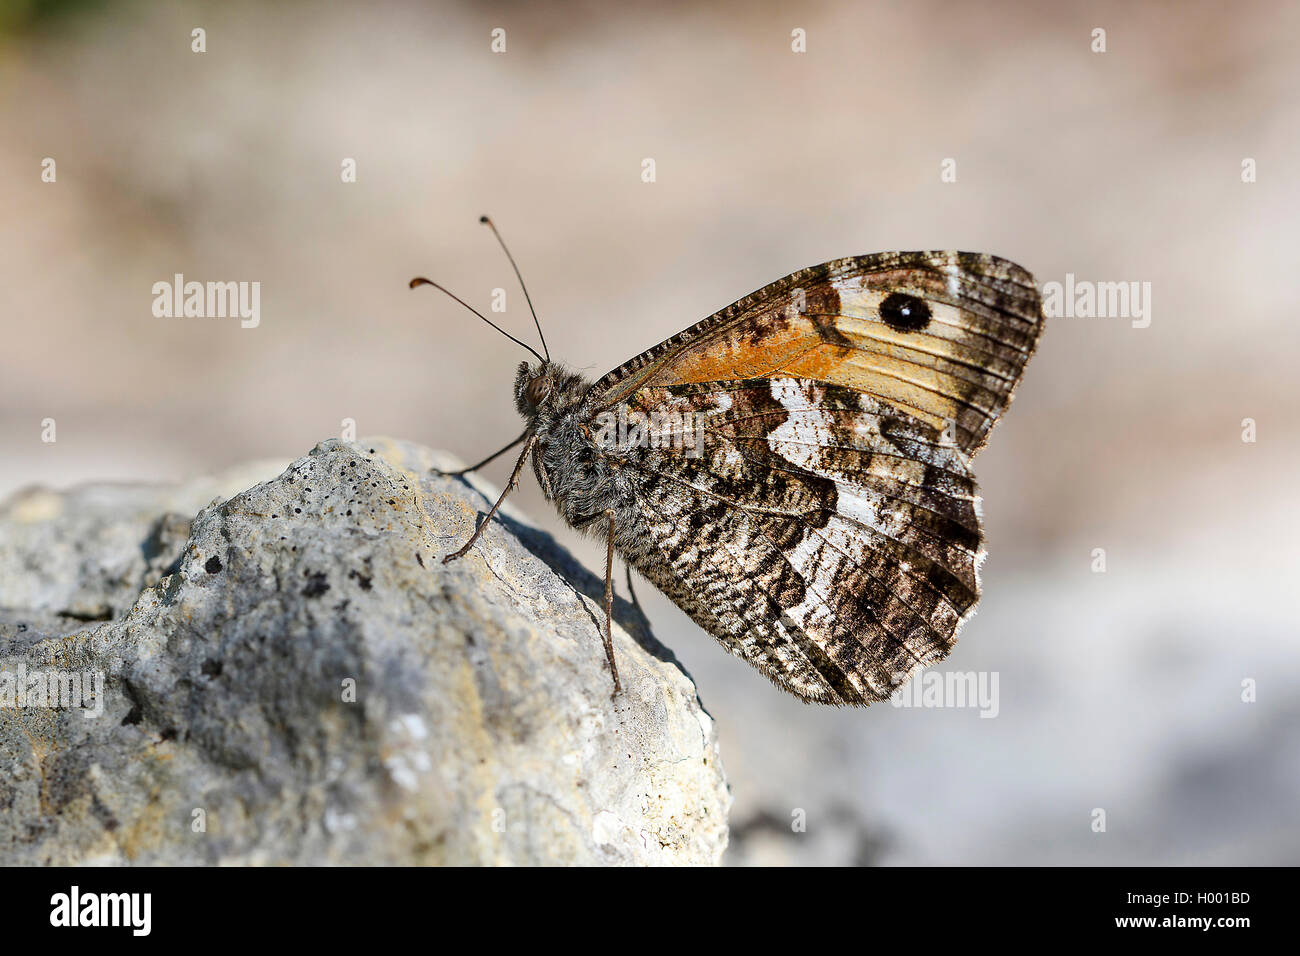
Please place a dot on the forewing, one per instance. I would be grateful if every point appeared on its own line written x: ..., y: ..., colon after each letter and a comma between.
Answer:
x: 953, y: 360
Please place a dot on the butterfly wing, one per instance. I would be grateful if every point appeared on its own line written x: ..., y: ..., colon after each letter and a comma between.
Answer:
x: 825, y: 525
x: 942, y: 336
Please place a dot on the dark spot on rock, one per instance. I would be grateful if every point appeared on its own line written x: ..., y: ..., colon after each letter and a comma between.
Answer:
x: 297, y: 511
x: 102, y: 813
x: 316, y: 584
x: 106, y: 614
x: 419, y: 557
x: 212, y: 667
x: 905, y: 313
x: 169, y: 733
x: 212, y: 565
x: 133, y: 716
x: 362, y: 579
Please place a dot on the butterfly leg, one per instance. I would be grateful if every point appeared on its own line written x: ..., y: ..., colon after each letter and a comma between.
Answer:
x: 511, y: 485
x: 490, y: 458
x: 546, y: 478
x: 609, y: 602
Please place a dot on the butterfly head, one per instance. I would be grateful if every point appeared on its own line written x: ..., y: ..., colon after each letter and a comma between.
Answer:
x: 533, y: 386
x: 544, y: 389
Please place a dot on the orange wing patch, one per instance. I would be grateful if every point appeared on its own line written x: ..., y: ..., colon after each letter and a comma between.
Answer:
x: 941, y: 336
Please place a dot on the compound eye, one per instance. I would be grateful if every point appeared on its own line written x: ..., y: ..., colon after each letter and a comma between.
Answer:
x: 537, y: 390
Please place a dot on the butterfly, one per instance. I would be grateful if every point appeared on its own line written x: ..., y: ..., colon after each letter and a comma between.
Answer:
x: 794, y: 472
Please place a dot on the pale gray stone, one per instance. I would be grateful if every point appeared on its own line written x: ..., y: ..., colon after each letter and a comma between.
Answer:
x: 482, y: 730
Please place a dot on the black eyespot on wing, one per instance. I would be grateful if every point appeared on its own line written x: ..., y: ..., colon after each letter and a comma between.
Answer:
x: 905, y: 313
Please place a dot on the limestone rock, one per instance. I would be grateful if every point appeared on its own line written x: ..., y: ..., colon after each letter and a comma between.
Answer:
x: 294, y: 677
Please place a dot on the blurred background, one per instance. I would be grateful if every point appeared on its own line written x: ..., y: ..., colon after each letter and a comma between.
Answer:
x: 1119, y: 690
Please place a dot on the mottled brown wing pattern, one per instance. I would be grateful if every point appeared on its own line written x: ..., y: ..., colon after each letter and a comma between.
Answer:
x: 837, y: 579
x: 830, y: 532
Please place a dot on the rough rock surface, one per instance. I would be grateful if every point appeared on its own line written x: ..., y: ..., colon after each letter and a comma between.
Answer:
x: 294, y: 677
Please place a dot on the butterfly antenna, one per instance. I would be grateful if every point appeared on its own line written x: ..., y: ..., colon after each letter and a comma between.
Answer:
x: 491, y: 225
x: 420, y: 280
